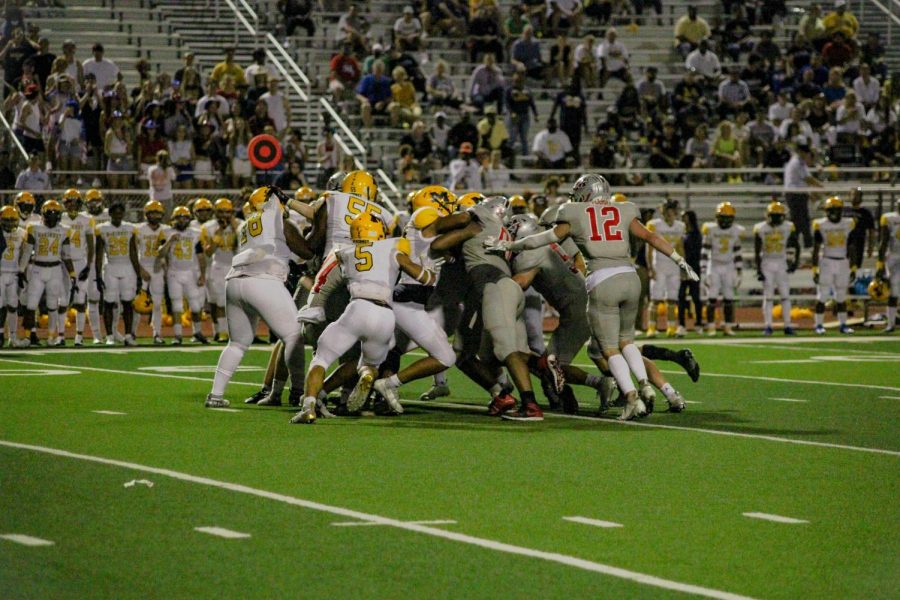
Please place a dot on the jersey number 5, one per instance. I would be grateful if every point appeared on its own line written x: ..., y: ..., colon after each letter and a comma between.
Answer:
x: 363, y: 257
x: 609, y: 216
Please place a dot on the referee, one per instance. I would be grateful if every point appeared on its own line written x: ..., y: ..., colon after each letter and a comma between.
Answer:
x: 796, y: 176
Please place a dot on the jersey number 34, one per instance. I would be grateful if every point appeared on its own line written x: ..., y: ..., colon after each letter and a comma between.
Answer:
x: 608, y: 217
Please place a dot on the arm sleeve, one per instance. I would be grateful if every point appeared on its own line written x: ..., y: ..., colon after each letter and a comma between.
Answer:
x: 535, y: 241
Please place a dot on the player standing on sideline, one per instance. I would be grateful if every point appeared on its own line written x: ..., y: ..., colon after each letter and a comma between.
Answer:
x: 81, y: 251
x: 202, y: 211
x: 772, y: 240
x: 722, y: 265
x: 888, y: 267
x: 665, y: 276
x: 832, y: 272
x: 14, y: 241
x: 49, y: 243
x: 117, y: 242
x: 219, y: 239
x: 254, y: 288
x: 371, y: 267
x: 150, y: 236
x: 185, y: 273
x: 25, y: 203
x: 94, y: 200
x: 602, y: 229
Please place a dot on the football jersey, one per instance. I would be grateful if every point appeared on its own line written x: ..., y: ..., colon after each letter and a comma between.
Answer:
x: 548, y: 219
x: 9, y: 260
x: 419, y: 244
x: 183, y: 251
x: 601, y: 231
x: 80, y: 227
x: 224, y: 253
x: 32, y: 219
x: 473, y: 250
x: 117, y: 241
x: 671, y: 233
x: 48, y: 241
x: 723, y: 244
x: 100, y: 218
x: 342, y: 207
x: 891, y: 221
x: 262, y: 249
x: 149, y: 241
x: 195, y: 224
x: 834, y: 236
x: 556, y: 280
x: 774, y: 239
x: 371, y: 268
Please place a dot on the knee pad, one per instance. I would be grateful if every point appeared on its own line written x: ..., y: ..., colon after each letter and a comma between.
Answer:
x: 446, y: 357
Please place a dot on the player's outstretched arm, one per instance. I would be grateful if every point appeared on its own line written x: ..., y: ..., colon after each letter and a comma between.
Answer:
x: 455, y: 237
x: 417, y: 272
x: 757, y: 252
x: 551, y: 236
x: 451, y: 222
x: 637, y: 229
x: 295, y: 240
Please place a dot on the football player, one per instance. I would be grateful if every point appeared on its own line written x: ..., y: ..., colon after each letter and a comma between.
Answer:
x: 832, y: 273
x: 14, y: 240
x: 81, y: 251
x: 202, y: 212
x: 722, y: 265
x: 185, y: 263
x: 777, y: 253
x: 25, y: 203
x: 371, y: 266
x: 95, y: 210
x: 48, y: 241
x: 601, y: 229
x: 888, y: 266
x: 219, y: 239
x: 254, y: 288
x: 117, y: 243
x: 665, y: 276
x: 150, y: 236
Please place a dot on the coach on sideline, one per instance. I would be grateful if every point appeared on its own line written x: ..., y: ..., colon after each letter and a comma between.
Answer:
x: 796, y: 176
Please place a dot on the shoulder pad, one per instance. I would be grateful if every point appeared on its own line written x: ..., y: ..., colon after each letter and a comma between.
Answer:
x: 403, y: 246
x: 424, y: 217
x: 816, y: 224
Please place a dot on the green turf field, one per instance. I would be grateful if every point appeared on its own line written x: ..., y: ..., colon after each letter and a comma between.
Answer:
x: 444, y: 502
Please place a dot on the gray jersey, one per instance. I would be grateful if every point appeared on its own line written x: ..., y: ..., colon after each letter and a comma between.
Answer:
x: 548, y: 219
x: 601, y: 231
x: 556, y: 280
x: 473, y: 251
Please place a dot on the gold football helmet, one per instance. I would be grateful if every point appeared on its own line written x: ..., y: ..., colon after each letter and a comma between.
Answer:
x: 879, y: 291
x: 469, y: 199
x: 305, y: 195
x: 435, y: 196
x: 360, y: 184
x: 366, y: 227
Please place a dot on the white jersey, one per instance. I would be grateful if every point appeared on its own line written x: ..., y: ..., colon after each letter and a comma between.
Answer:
x: 117, y: 241
x: 183, y: 251
x: 149, y: 241
x: 342, y: 207
x: 834, y: 236
x: 371, y: 268
x: 774, y: 240
x: 723, y: 244
x: 9, y: 260
x: 224, y: 252
x: 671, y: 233
x: 48, y: 242
x: 100, y: 218
x: 32, y: 219
x: 80, y: 226
x: 891, y: 221
x: 262, y: 248
x: 199, y: 225
x: 419, y: 245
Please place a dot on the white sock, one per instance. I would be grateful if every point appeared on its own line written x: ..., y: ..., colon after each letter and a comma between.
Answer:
x: 228, y: 363
x: 177, y: 327
x: 94, y: 318
x: 79, y: 323
x: 12, y: 322
x: 156, y: 318
x: 820, y: 319
x: 503, y: 379
x: 278, y: 387
x: 619, y: 368
x: 635, y: 361
x: 593, y: 381
x: 51, y: 324
x: 842, y: 318
x: 496, y: 389
x: 222, y: 325
x: 668, y: 391
x: 786, y: 312
x: 767, y: 311
x: 195, y: 327
x: 394, y: 381
x: 891, y: 315
x: 440, y: 378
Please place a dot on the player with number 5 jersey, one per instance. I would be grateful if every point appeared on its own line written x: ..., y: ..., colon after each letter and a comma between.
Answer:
x: 602, y: 231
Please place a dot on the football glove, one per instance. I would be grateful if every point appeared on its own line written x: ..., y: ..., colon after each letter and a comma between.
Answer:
x: 83, y: 274
x: 495, y: 246
x: 101, y: 287
x: 684, y: 266
x: 282, y: 197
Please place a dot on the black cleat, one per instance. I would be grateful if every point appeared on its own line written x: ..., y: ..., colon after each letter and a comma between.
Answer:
x: 689, y: 363
x: 295, y: 396
x: 569, y: 401
x: 553, y: 399
x: 259, y: 395
x: 35, y: 341
x: 199, y: 338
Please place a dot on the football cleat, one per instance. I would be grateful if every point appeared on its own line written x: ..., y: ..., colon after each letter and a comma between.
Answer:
x: 529, y: 412
x: 360, y: 393
x: 604, y: 395
x: 680, y: 332
x: 199, y: 338
x: 295, y: 396
x: 436, y: 391
x: 307, y: 416
x: 651, y: 332
x: 97, y: 341
x: 79, y: 340
x: 176, y: 341
x: 33, y: 338
x: 390, y: 395
x: 216, y: 402
x: 259, y: 395
x: 158, y: 341
x: 322, y: 409
x: 676, y: 404
x: 671, y: 332
x: 768, y: 330
x: 23, y: 343
x: 117, y: 335
x: 501, y: 403
x: 729, y: 331
x: 271, y: 399
x: 634, y: 407
x: 711, y: 331
x: 820, y: 330
x: 648, y: 396
x: 130, y: 341
x: 846, y: 329
x: 888, y: 329
x: 569, y: 401
x: 553, y: 399
x: 789, y: 331
x: 687, y: 362
x: 110, y: 340
x: 556, y: 373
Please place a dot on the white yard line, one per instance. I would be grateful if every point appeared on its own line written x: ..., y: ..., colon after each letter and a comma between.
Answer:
x: 788, y: 400
x: 889, y: 397
x: 25, y: 540
x: 222, y: 533
x: 230, y: 410
x: 108, y: 412
x: 371, y: 524
x: 593, y: 522
x: 488, y: 544
x: 795, y: 361
x: 774, y: 518
x: 776, y: 379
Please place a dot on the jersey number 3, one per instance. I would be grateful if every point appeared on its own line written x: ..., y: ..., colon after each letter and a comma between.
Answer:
x: 609, y: 216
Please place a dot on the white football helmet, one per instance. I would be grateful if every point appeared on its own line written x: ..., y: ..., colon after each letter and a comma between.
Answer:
x: 521, y: 226
x: 581, y: 189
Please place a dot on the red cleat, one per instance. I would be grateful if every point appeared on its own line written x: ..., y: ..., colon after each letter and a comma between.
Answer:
x: 528, y: 412
x: 500, y: 404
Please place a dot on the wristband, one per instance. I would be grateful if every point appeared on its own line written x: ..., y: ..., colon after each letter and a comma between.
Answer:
x: 675, y: 256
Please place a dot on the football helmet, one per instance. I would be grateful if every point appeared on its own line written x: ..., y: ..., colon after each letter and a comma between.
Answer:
x: 335, y: 181
x: 366, y: 227
x: 224, y: 208
x: 305, y: 195
x: 25, y: 203
x: 834, y: 209
x: 247, y: 209
x: 51, y: 210
x: 9, y: 217
x: 469, y: 199
x: 521, y: 226
x: 259, y: 197
x: 94, y: 199
x: 776, y: 212
x: 182, y: 217
x: 360, y: 184
x: 725, y: 214
x: 203, y: 209
x: 70, y: 196
x: 142, y: 303
x: 590, y: 188
x: 517, y: 205
x: 437, y: 197
x: 154, y: 211
x: 493, y: 207
x: 879, y: 290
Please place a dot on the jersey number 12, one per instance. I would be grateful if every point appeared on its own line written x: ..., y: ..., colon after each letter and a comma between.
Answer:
x: 609, y: 216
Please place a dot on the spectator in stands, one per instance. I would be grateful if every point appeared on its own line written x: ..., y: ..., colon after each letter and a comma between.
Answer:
x: 212, y: 95
x: 767, y: 48
x: 601, y: 155
x: 296, y: 13
x: 726, y: 150
x: 68, y: 141
x: 177, y: 115
x: 105, y: 70
x: 841, y: 21
x: 33, y: 178
x: 525, y: 55
x: 189, y: 78
x: 667, y: 150
x: 552, y: 147
x: 760, y: 135
x: 811, y: 27
x: 403, y: 108
x: 487, y: 84
x: 515, y: 22
x: 118, y: 150
x: 799, y: 53
x: 7, y: 175
x: 837, y: 52
x: 628, y: 107
x: 345, y: 72
x: 160, y: 176
x: 687, y: 92
x: 872, y: 54
x: 440, y: 87
x: 374, y: 94
x: 492, y: 133
x: 279, y: 109
x: 521, y: 107
x: 733, y: 94
x: 863, y: 236
x: 440, y: 132
x: 209, y: 155
x: 461, y: 132
x: 572, y: 108
x: 612, y: 55
x: 420, y: 142
x: 259, y: 66
x: 13, y: 55
x: 737, y: 36
x: 445, y: 16
x: 820, y: 71
x: 866, y: 87
x: 377, y: 54
x: 652, y: 91
x: 495, y: 175
x: 698, y: 150
x: 585, y: 62
x: 260, y: 119
x: 563, y: 14
x: 807, y: 88
x: 483, y: 36
x: 229, y: 68
x: 797, y: 176
x: 181, y: 155
x: 756, y: 77
x: 399, y: 58
x: 465, y: 172
x: 73, y: 68
x: 705, y: 63
x: 292, y: 177
x: 352, y: 27
x: 13, y: 17
x: 238, y: 156
x: 561, y: 64
x: 690, y: 29
x: 149, y: 143
x: 43, y: 61
x: 408, y: 30
x: 28, y: 120
x: 849, y: 119
x: 880, y: 116
x: 834, y: 90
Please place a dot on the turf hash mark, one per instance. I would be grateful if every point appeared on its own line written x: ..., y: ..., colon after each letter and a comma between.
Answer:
x: 593, y: 522
x: 25, y: 540
x: 371, y: 524
x: 108, y: 412
x: 222, y: 533
x: 774, y: 518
